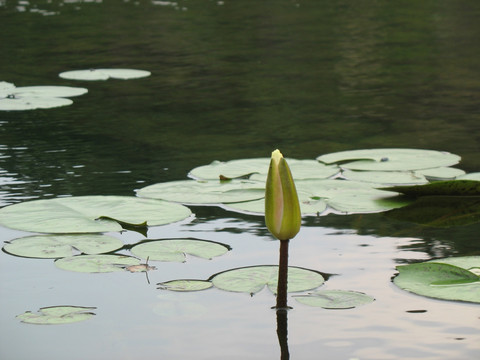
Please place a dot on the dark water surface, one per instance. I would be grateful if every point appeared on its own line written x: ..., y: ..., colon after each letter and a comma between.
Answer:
x: 237, y: 79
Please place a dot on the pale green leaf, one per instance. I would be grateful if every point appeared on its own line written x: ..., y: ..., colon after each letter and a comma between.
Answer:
x: 185, y: 285
x: 56, y: 315
x: 335, y: 299
x: 96, y: 263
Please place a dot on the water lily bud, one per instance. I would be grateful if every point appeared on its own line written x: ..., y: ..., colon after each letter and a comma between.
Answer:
x: 282, y: 209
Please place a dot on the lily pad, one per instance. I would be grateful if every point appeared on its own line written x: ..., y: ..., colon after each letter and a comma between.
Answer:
x: 252, y: 279
x: 470, y: 176
x: 441, y: 173
x: 84, y: 214
x: 57, y: 246
x: 32, y: 103
x: 204, y: 192
x: 48, y: 91
x: 440, y: 211
x: 390, y: 159
x: 56, y: 315
x: 447, y: 279
x: 385, y: 177
x: 96, y: 263
x: 257, y: 169
x: 176, y: 249
x: 185, y: 285
x: 335, y: 299
x: 104, y: 74
x: 448, y: 187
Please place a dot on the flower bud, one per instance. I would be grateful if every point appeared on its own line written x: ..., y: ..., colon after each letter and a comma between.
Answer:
x: 282, y: 209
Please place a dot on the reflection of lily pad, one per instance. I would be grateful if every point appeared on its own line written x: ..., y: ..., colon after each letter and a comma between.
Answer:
x: 89, y: 214
x: 96, y: 263
x: 104, y: 74
x: 447, y: 279
x: 390, y: 159
x: 335, y: 299
x: 448, y: 187
x: 175, y: 249
x: 185, y: 285
x: 254, y: 278
x: 440, y: 211
x: 257, y: 169
x: 56, y: 246
x: 204, y: 192
x: 56, y: 315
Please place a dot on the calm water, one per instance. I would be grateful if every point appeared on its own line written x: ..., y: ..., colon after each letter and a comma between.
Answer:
x: 236, y: 79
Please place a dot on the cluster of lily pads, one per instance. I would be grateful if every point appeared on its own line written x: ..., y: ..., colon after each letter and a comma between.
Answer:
x: 360, y: 181
x: 46, y: 97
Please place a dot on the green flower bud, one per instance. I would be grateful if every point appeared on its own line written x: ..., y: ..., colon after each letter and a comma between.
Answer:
x: 282, y: 209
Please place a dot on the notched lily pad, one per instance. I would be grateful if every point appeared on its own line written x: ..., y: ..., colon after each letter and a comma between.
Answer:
x: 84, y: 214
x: 204, y: 192
x: 335, y: 299
x: 253, y: 279
x: 57, y: 315
x: 96, y: 263
x: 257, y: 169
x: 446, y: 279
x: 57, y: 246
x: 176, y: 249
x: 185, y: 285
x: 390, y: 159
x: 104, y: 74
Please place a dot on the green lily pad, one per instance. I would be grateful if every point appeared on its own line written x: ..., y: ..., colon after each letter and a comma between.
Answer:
x: 57, y: 315
x: 48, y: 91
x: 446, y: 279
x: 185, y: 285
x: 96, y: 263
x: 31, y: 103
x: 441, y: 173
x: 385, y: 177
x: 440, y: 211
x: 85, y: 214
x: 335, y: 299
x: 252, y: 279
x: 257, y: 169
x: 470, y: 176
x: 57, y: 246
x: 176, y: 249
x: 204, y: 192
x: 104, y: 74
x: 448, y: 187
x: 390, y: 159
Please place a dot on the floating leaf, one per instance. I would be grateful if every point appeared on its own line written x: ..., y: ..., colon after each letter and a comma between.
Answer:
x: 448, y: 187
x: 335, y: 299
x: 257, y: 169
x: 470, y: 176
x: 185, y: 285
x: 440, y: 211
x: 254, y: 278
x: 175, y: 249
x: 205, y: 192
x: 96, y: 263
x: 56, y: 315
x: 48, y: 91
x: 56, y: 246
x: 441, y: 279
x: 441, y: 173
x: 385, y: 177
x: 32, y: 103
x: 104, y: 74
x: 390, y: 159
x: 84, y: 214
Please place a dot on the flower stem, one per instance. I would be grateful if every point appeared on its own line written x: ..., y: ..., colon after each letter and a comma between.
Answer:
x: 282, y: 276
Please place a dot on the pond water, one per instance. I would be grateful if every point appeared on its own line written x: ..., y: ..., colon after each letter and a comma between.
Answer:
x: 237, y: 79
